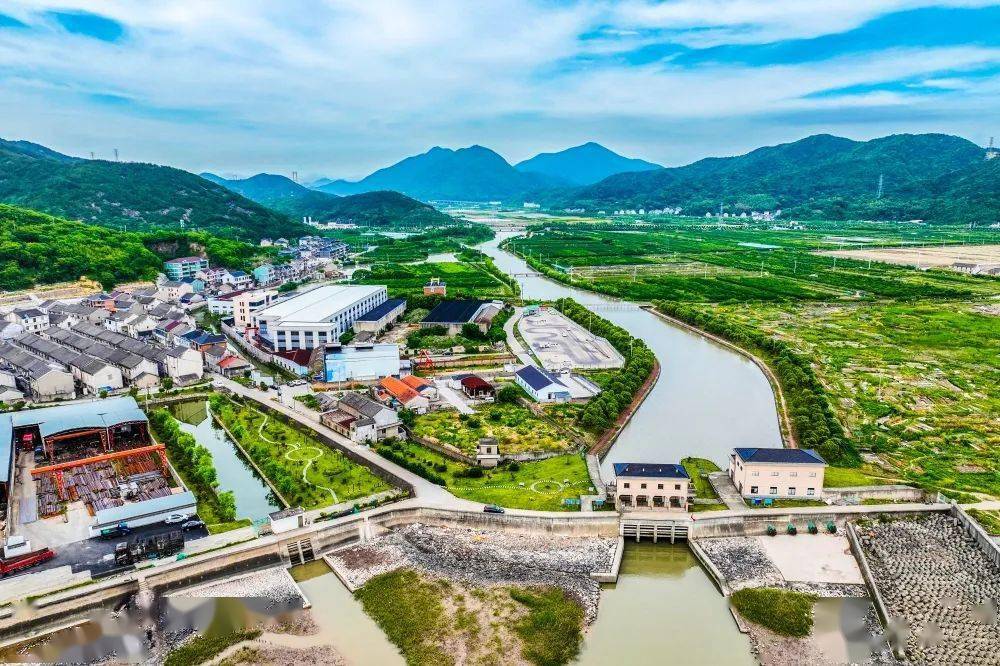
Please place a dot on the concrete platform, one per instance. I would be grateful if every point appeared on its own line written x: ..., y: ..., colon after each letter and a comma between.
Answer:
x: 561, y: 344
x: 813, y: 558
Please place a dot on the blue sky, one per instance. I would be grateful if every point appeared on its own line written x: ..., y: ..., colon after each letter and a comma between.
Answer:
x: 341, y: 88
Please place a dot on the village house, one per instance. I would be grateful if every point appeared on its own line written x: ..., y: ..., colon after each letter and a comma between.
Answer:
x: 541, y: 384
x: 407, y: 397
x: 361, y: 419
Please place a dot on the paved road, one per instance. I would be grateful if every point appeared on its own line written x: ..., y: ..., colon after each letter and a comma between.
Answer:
x: 515, y: 345
x: 452, y: 397
x: 430, y: 493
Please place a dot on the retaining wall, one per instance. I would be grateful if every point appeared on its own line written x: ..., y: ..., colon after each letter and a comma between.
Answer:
x: 988, y: 545
x: 752, y: 523
x: 855, y: 494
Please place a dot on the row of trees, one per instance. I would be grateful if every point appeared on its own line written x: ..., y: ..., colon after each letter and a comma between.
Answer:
x: 602, y: 411
x: 195, y: 463
x: 813, y: 421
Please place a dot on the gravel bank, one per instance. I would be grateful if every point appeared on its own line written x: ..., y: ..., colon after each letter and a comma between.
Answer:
x: 742, y: 562
x: 939, y: 585
x: 485, y: 558
x: 275, y: 585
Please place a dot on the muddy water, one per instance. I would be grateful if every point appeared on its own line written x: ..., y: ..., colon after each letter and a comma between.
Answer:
x: 254, y: 499
x: 708, y: 399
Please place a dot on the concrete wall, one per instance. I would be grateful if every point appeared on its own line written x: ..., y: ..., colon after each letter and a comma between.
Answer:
x: 989, y: 546
x: 755, y: 522
x: 854, y: 494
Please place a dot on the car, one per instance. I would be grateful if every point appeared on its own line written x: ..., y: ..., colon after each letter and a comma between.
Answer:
x: 175, y: 518
x: 492, y: 508
x: 193, y: 524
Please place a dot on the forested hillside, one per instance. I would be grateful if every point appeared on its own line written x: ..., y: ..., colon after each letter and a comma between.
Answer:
x: 131, y: 195
x: 933, y: 176
x: 380, y: 208
x: 38, y: 249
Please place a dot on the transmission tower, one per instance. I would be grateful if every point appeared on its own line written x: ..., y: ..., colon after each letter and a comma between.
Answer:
x: 295, y: 176
x: 991, y: 152
x: 116, y: 154
x: 878, y: 195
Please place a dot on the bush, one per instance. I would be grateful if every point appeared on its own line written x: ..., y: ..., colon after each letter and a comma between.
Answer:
x: 508, y: 394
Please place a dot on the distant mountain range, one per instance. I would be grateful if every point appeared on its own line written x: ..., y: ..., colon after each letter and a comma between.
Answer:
x: 129, y: 194
x: 378, y: 208
x: 929, y: 176
x: 583, y: 165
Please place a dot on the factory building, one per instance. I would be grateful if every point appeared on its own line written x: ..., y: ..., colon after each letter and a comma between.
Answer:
x: 315, y: 318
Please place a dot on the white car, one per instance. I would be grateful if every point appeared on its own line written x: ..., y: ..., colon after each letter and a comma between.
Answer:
x: 175, y: 518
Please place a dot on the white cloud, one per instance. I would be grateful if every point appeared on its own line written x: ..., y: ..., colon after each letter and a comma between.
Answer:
x: 343, y: 87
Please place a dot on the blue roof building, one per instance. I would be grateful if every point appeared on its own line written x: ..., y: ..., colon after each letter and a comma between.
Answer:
x: 541, y: 385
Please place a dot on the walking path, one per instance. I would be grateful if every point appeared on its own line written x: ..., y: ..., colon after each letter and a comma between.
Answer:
x: 294, y: 448
x: 727, y: 492
x: 515, y: 345
x: 432, y: 494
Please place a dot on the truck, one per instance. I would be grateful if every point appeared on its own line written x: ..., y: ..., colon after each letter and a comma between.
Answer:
x: 17, y: 563
x: 149, y: 548
x: 119, y: 530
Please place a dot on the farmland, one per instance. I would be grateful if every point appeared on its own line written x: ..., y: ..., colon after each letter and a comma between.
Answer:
x: 905, y: 361
x: 464, y: 280
x: 515, y: 428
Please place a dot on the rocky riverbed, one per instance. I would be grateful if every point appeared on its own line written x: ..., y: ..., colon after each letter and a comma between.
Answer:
x: 485, y: 558
x: 939, y: 587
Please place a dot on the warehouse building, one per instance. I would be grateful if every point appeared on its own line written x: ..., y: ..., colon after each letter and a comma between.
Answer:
x: 317, y: 317
x: 380, y: 317
x: 453, y: 315
x: 360, y: 362
x: 541, y: 384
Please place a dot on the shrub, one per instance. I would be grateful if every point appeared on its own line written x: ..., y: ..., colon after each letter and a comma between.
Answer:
x: 782, y: 611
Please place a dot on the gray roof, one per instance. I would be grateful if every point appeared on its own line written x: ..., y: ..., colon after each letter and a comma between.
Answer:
x: 176, y: 502
x: 6, y: 448
x: 92, y: 414
x: 538, y: 378
x: 361, y: 404
x: 666, y: 470
x: 31, y: 365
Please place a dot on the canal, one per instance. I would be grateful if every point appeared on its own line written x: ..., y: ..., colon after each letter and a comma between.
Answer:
x: 254, y: 500
x: 707, y: 400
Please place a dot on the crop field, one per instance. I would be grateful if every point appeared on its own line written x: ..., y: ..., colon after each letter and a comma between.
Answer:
x: 463, y: 279
x: 916, y: 383
x: 924, y: 256
x: 515, y: 427
x: 540, y: 486
x: 908, y: 360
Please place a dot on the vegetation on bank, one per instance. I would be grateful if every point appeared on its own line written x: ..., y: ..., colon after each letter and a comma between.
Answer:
x: 784, y: 612
x: 515, y: 427
x: 39, y: 249
x: 602, y: 411
x: 539, y: 485
x: 194, y: 464
x: 464, y: 280
x: 200, y: 649
x: 306, y: 472
x: 412, y: 248
x: 435, y: 621
x: 696, y: 467
x: 813, y: 421
x: 989, y: 520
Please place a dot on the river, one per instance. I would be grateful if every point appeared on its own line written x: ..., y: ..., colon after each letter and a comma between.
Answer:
x: 707, y: 400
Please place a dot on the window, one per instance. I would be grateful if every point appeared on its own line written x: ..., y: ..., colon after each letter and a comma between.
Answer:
x: 774, y: 490
x: 774, y: 473
x: 812, y: 474
x: 626, y: 484
x: 677, y: 486
x: 753, y: 490
x: 659, y: 486
x: 793, y: 474
x: 642, y: 485
x: 791, y: 490
x: 810, y: 491
x: 755, y: 474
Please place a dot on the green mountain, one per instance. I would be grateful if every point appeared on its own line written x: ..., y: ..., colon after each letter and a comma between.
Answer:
x: 468, y: 174
x: 583, y: 165
x: 130, y: 194
x: 820, y: 176
x: 40, y: 249
x: 380, y: 208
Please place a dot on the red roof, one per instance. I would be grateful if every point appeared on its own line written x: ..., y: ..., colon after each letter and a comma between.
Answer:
x: 418, y: 383
x: 297, y: 356
x: 398, y: 389
x: 231, y: 361
x: 475, y: 383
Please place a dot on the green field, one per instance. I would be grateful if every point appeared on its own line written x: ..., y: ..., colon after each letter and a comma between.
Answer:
x: 464, y: 280
x: 539, y: 486
x: 307, y: 472
x: 378, y: 248
x: 898, y: 364
x: 515, y: 427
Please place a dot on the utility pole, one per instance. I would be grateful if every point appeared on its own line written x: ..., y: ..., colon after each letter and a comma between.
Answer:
x: 116, y: 154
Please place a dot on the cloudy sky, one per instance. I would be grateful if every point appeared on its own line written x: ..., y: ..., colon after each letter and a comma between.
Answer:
x: 340, y: 88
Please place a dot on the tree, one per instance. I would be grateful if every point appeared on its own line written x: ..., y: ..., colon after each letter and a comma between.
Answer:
x: 508, y: 394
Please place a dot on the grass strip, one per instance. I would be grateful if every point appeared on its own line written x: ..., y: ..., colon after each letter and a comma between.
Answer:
x: 552, y: 630
x: 782, y: 611
x: 200, y: 649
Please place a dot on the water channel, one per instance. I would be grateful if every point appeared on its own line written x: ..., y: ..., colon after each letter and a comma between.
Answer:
x: 707, y: 400
x: 254, y: 499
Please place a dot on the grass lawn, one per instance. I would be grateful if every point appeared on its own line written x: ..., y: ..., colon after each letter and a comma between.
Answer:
x: 464, y: 280
x: 702, y: 486
x: 540, y: 485
x: 515, y: 427
x: 782, y: 611
x: 989, y: 520
x: 715, y: 506
x: 785, y: 503
x: 306, y: 471
x: 846, y: 477
x: 433, y: 620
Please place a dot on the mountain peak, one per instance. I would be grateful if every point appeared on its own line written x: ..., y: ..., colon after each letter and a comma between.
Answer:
x: 584, y: 164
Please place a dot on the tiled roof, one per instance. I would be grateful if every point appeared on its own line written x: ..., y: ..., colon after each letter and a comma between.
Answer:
x: 667, y: 470
x: 784, y: 456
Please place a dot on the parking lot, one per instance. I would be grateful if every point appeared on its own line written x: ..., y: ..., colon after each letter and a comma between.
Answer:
x: 561, y: 344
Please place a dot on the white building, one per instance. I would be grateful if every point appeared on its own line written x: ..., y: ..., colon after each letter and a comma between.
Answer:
x: 316, y: 317
x: 651, y: 486
x: 249, y: 302
x: 541, y: 384
x: 360, y: 362
x: 32, y: 320
x: 770, y: 473
x: 362, y: 419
